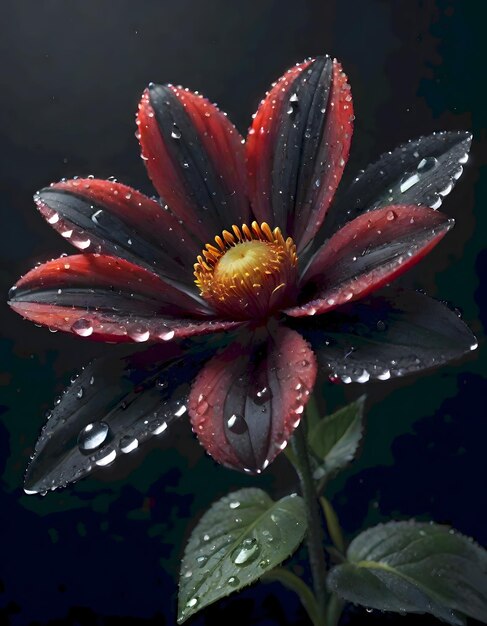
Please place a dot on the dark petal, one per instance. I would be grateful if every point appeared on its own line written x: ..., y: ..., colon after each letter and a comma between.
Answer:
x: 394, y: 334
x: 109, y: 218
x: 297, y: 147
x: 422, y: 171
x: 195, y: 158
x: 367, y: 253
x: 107, y: 299
x: 127, y: 400
x: 248, y: 399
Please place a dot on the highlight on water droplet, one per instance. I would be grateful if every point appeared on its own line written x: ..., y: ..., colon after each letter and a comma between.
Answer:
x: 92, y: 436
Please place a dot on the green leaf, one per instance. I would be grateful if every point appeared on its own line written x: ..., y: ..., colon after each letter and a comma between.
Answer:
x: 242, y: 536
x: 416, y: 568
x: 335, y: 439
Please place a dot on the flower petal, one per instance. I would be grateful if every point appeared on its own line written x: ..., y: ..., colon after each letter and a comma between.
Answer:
x: 367, y: 253
x: 397, y: 333
x: 248, y: 399
x: 115, y: 404
x: 194, y: 157
x: 108, y: 299
x: 109, y: 218
x: 422, y: 171
x: 297, y: 147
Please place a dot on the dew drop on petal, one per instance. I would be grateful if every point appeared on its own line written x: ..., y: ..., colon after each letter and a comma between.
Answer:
x: 180, y: 411
x: 175, y: 132
x: 237, y: 424
x: 427, y: 164
x: 82, y: 327
x: 92, y: 436
x: 127, y: 444
x: 157, y: 426
x: 262, y: 395
x: 105, y: 457
x: 391, y: 216
x: 407, y: 182
x: 138, y: 334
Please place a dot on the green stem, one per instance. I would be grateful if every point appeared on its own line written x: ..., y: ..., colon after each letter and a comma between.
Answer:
x: 334, y: 610
x: 291, y: 581
x: 315, y: 535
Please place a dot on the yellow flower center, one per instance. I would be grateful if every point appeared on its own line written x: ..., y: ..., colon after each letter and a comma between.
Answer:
x: 250, y: 273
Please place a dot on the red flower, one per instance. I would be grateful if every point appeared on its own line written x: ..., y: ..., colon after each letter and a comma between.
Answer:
x: 239, y: 247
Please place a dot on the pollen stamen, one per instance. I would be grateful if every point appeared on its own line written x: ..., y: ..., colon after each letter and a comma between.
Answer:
x: 250, y: 274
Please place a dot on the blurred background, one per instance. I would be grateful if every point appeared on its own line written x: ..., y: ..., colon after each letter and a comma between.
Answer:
x: 106, y: 550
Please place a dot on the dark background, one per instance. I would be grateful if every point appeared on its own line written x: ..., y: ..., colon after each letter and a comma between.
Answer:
x: 106, y: 551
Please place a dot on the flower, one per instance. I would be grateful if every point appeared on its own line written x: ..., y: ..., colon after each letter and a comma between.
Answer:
x: 250, y: 246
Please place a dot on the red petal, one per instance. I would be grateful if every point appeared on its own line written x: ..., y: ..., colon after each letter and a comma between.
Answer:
x: 107, y: 299
x: 194, y: 157
x: 297, y: 147
x: 106, y: 217
x: 247, y: 400
x: 367, y: 253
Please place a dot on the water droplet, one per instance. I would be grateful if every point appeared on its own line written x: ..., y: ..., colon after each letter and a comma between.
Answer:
x: 391, y: 216
x: 175, y: 132
x: 54, y: 218
x: 157, y: 426
x: 188, y: 574
x: 233, y: 581
x: 381, y: 325
x: 206, y: 537
x: 263, y: 395
x: 407, y: 182
x: 247, y: 552
x: 93, y: 436
x: 180, y: 411
x: 235, y: 504
x: 264, y: 563
x: 127, y: 444
x: 167, y: 335
x: 192, y: 603
x: 138, y: 333
x: 82, y: 327
x: 237, y: 424
x: 201, y: 560
x: 105, y: 457
x: 427, y: 164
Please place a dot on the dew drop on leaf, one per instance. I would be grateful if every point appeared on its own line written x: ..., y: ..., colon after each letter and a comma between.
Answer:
x: 246, y: 553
